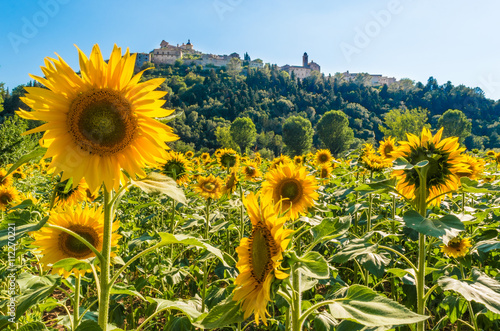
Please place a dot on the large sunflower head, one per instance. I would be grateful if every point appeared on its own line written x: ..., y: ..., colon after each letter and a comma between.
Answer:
x: 209, y: 187
x: 101, y: 121
x: 227, y: 158
x: 4, y: 179
x: 177, y: 167
x: 445, y: 161
x: 56, y: 245
x: 259, y: 257
x: 9, y: 197
x: 323, y: 156
x: 291, y: 189
x: 456, y: 247
x: 387, y: 146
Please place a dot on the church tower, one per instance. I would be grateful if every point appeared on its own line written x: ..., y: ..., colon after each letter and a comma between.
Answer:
x: 305, y: 60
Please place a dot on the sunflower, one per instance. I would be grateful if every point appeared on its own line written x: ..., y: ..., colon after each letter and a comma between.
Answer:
x: 445, y: 162
x: 177, y: 167
x: 474, y: 166
x: 298, y: 160
x: 228, y: 158
x: 491, y: 153
x: 70, y: 195
x: 209, y: 187
x: 325, y: 171
x: 9, y: 197
x: 278, y: 161
x: 374, y: 162
x: 18, y: 174
x: 497, y: 158
x: 5, y: 180
x: 387, y: 146
x: 101, y: 121
x: 323, y: 156
x: 257, y: 158
x: 259, y: 258
x: 230, y: 183
x: 189, y: 154
x: 56, y: 245
x: 291, y: 189
x: 456, y: 247
x: 205, y: 156
x: 251, y: 171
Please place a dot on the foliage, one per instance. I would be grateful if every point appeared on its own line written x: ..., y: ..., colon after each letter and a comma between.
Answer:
x: 334, y: 131
x: 243, y: 133
x: 398, y: 122
x: 12, y: 144
x: 455, y: 124
x: 297, y: 135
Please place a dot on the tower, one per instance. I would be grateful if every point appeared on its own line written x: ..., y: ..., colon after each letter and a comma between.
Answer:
x: 305, y: 60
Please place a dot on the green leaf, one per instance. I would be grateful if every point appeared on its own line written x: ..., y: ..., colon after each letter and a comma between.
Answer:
x: 472, y: 186
x: 454, y: 307
x: 168, y: 238
x: 324, y: 322
x: 5, y: 237
x: 330, y: 228
x: 72, y: 263
x: 33, y: 326
x: 382, y: 186
x: 347, y: 325
x: 362, y: 305
x: 156, y: 183
x: 353, y: 249
x: 487, y: 245
x: 121, y: 288
x: 32, y: 155
x: 88, y: 325
x: 374, y: 262
x: 187, y: 307
x: 313, y: 264
x: 225, y: 313
x: 480, y: 288
x: 448, y: 225
x: 26, y: 301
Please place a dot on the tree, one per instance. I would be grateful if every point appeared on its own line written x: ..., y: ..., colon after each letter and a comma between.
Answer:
x: 297, y: 135
x: 334, y: 131
x: 455, y: 124
x: 223, y: 136
x: 398, y: 122
x: 243, y: 133
x: 234, y: 66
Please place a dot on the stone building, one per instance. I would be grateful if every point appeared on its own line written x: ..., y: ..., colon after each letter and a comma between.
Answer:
x: 168, y: 54
x: 375, y: 80
x: 303, y: 71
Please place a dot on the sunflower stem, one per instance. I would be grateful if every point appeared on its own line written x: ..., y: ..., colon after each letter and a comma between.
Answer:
x: 242, y: 215
x: 296, y: 299
x: 469, y: 304
x: 205, y: 265
x: 172, y: 228
x: 105, y: 264
x: 422, y: 210
x: 76, y: 301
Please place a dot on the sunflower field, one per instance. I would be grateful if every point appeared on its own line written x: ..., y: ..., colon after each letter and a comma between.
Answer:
x: 103, y: 227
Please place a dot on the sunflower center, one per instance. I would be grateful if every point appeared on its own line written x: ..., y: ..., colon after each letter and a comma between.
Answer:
x: 74, y: 247
x: 262, y: 249
x: 454, y: 243
x: 209, y: 186
x: 5, y: 199
x: 228, y: 160
x: 388, y: 150
x: 323, y: 158
x: 174, y: 169
x: 291, y: 190
x: 250, y: 171
x: 324, y: 173
x: 101, y: 121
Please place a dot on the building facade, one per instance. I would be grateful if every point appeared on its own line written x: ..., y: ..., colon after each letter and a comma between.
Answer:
x: 304, y: 71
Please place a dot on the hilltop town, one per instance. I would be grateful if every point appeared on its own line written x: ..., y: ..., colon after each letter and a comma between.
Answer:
x: 169, y: 54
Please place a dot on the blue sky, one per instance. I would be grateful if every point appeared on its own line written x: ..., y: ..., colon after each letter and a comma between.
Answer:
x: 451, y: 40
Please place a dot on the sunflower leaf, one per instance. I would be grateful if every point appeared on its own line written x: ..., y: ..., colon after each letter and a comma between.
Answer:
x: 480, y: 288
x: 449, y: 225
x: 26, y: 158
x: 382, y: 186
x: 168, y: 238
x: 330, y: 228
x: 7, y: 236
x: 88, y: 325
x: 225, y: 313
x: 187, y: 307
x: 472, y: 186
x: 313, y: 264
x: 156, y: 183
x: 33, y: 326
x: 362, y: 305
x: 72, y: 263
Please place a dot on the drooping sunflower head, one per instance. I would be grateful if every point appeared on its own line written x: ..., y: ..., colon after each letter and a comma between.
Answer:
x: 176, y: 166
x: 100, y: 121
x: 209, y: 187
x: 278, y: 161
x: 323, y: 156
x: 259, y: 257
x: 4, y: 179
x: 69, y: 194
x: 291, y: 189
x: 387, y: 146
x: 456, y: 247
x: 56, y: 245
x: 228, y: 158
x: 230, y: 183
x: 9, y: 197
x: 445, y: 161
x: 251, y: 171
